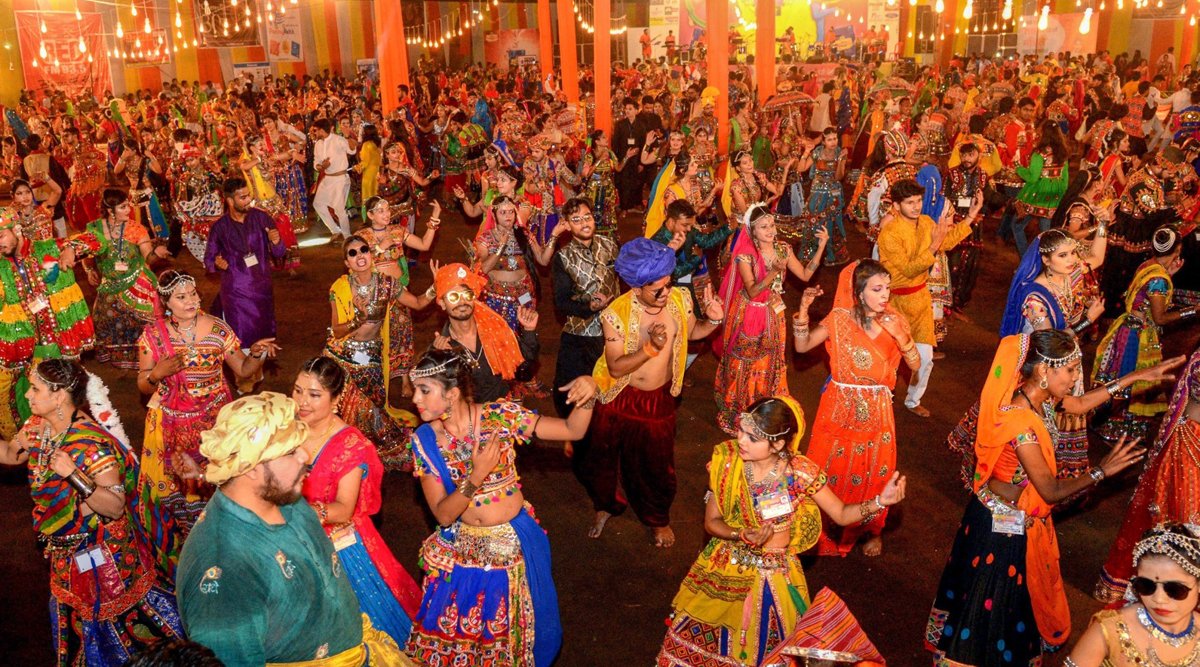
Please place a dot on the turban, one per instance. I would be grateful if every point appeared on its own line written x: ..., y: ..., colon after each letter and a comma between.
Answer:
x: 643, y: 261
x: 498, y: 340
x: 249, y: 431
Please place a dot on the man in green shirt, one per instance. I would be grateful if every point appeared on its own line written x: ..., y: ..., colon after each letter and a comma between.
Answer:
x: 259, y: 582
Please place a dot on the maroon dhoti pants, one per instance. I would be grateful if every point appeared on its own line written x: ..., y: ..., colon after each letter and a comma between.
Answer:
x: 629, y: 455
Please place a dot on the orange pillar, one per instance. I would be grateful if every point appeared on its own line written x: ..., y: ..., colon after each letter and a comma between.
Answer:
x: 717, y: 38
x: 764, y: 48
x: 602, y: 61
x: 568, y: 53
x: 391, y: 51
x: 545, y: 39
x: 1188, y: 47
x: 945, y: 26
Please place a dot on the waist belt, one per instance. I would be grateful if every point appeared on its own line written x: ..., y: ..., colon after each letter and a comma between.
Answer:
x: 337, y: 173
x: 903, y: 291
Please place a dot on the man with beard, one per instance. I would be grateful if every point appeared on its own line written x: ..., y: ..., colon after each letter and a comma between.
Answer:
x: 631, y: 446
x: 259, y: 582
x: 241, y: 245
x: 482, y: 333
x: 964, y: 182
x: 42, y: 314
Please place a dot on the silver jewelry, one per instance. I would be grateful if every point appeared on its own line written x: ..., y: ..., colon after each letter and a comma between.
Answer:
x: 1059, y: 362
x: 1158, y: 632
x: 748, y: 422
x: 1097, y: 474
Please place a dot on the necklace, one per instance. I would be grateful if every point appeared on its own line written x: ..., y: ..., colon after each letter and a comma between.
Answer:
x: 1172, y: 639
x: 463, y: 444
x: 48, y: 445
x: 1061, y: 292
x: 190, y: 342
x: 749, y: 470
x: 1047, y: 415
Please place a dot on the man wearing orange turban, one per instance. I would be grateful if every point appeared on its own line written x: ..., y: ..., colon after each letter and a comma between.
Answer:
x: 482, y: 332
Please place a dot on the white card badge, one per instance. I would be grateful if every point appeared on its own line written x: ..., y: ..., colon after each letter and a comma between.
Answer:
x: 1009, y: 523
x: 251, y: 260
x: 121, y: 266
x: 87, y: 560
x: 346, y: 539
x: 964, y: 202
x: 774, y: 504
x: 361, y: 358
x: 524, y: 299
x: 39, y: 304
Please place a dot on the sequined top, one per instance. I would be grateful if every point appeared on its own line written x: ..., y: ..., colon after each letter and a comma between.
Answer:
x: 511, y: 257
x: 514, y: 423
x: 1124, y: 652
x: 204, y: 359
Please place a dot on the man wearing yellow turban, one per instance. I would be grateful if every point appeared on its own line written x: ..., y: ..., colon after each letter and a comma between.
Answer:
x: 259, y: 582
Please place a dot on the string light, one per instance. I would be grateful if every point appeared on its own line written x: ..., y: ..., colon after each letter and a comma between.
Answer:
x: 968, y: 10
x: 1085, y: 26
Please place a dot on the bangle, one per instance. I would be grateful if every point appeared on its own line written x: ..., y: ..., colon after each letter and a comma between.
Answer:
x: 800, y: 331
x: 1097, y: 474
x: 589, y: 405
x: 650, y: 350
x: 150, y: 378
x: 735, y: 535
x: 431, y: 293
x: 468, y: 488
x: 1081, y: 326
x: 321, y: 510
x: 1113, y: 388
x: 82, y: 484
x: 715, y: 323
x: 1187, y: 312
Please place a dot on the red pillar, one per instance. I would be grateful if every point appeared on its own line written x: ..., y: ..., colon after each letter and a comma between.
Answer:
x: 603, y: 64
x: 764, y: 48
x: 568, y: 53
x: 945, y: 25
x: 391, y: 51
x: 717, y: 38
x: 545, y: 39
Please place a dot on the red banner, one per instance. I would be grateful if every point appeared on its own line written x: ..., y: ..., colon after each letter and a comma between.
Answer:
x: 63, y: 66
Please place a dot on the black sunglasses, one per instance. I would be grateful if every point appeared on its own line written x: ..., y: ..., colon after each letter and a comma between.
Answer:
x: 1176, y: 590
x: 354, y: 252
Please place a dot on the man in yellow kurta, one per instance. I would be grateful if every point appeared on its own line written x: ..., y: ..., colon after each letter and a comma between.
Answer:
x: 907, y: 244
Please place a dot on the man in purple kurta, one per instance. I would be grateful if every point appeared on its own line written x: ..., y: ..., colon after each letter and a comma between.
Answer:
x: 241, y: 245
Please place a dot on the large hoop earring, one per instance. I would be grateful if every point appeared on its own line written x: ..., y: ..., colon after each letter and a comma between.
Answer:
x: 1044, y: 383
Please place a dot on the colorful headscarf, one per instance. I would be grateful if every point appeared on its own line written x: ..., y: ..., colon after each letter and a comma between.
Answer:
x: 895, y: 145
x: 1024, y: 283
x: 642, y: 261
x: 249, y: 431
x: 498, y: 340
x: 754, y: 320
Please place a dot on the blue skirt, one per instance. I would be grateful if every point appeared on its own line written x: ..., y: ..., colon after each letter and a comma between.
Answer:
x: 374, y: 596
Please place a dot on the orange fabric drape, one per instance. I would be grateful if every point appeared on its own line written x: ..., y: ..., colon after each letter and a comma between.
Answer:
x: 545, y: 39
x: 764, y: 48
x: 603, y: 65
x: 567, y: 52
x: 391, y: 52
x: 717, y: 39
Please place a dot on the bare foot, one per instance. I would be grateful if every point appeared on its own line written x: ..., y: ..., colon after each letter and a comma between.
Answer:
x: 873, y: 546
x: 598, y: 525
x: 663, y: 537
x: 919, y: 410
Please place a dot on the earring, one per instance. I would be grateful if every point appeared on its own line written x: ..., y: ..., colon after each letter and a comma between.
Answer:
x: 58, y: 411
x: 445, y: 415
x: 1129, y: 595
x: 783, y: 454
x: 1043, y: 383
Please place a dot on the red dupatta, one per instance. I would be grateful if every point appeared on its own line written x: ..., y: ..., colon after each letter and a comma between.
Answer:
x: 754, y: 319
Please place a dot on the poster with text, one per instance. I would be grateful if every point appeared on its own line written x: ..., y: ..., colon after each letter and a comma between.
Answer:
x: 509, y: 47
x: 285, y: 44
x: 64, y: 67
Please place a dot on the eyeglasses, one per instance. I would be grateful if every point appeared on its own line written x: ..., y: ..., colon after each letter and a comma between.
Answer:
x: 1176, y: 590
x: 658, y: 293
x: 459, y: 296
x: 582, y: 217
x: 355, y: 252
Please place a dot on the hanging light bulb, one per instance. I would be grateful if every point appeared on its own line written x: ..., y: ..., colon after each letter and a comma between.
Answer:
x: 225, y: 23
x: 1044, y: 18
x: 82, y: 45
x: 137, y: 42
x: 178, y: 20
x: 1192, y: 20
x: 1183, y: 9
x: 968, y: 10
x: 224, y: 32
x: 90, y: 58
x: 1085, y: 26
x: 78, y: 15
x: 270, y: 16
x: 56, y: 64
x: 35, y: 63
x: 939, y: 6
x: 42, y: 51
x: 133, y: 9
x: 196, y: 42
x: 43, y: 26
x: 1006, y: 13
x: 147, y: 29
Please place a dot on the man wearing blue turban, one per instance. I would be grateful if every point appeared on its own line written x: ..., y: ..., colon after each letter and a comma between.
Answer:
x: 629, y: 456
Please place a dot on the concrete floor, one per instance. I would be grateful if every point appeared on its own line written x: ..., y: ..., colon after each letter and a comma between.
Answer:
x: 615, y: 592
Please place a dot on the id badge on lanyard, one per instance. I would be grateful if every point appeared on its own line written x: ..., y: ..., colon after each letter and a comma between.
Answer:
x: 1009, y: 523
x: 774, y: 504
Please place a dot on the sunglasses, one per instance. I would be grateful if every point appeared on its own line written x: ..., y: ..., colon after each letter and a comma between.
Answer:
x: 582, y: 218
x: 355, y: 252
x: 1176, y: 590
x: 658, y: 293
x: 459, y: 296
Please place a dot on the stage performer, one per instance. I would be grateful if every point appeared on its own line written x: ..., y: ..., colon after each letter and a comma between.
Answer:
x: 632, y: 442
x: 489, y: 594
x: 854, y: 435
x: 746, y: 590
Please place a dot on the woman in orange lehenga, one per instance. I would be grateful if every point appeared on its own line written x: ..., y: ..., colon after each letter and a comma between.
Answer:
x: 854, y: 435
x: 1169, y: 488
x: 752, y: 364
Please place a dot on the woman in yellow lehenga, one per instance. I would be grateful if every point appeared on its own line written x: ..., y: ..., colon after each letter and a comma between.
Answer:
x: 744, y: 593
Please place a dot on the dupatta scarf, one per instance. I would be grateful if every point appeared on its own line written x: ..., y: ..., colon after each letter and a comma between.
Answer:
x: 1024, y: 284
x: 754, y: 319
x: 1000, y: 422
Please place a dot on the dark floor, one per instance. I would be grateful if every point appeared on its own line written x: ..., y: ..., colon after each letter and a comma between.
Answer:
x: 615, y: 592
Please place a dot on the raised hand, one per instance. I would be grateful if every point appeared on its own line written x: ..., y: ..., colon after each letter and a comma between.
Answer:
x: 527, y: 316
x: 658, y: 335
x: 441, y: 342
x: 894, y: 491
x: 580, y: 390
x: 714, y: 307
x: 1126, y: 453
x: 810, y: 295
x: 264, y: 345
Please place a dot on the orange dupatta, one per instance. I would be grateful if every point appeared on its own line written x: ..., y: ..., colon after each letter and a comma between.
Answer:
x: 1000, y: 422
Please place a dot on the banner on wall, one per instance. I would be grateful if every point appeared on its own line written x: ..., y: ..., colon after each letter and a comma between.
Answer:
x: 226, y: 25
x: 255, y: 71
x: 1061, y: 34
x: 285, y: 44
x: 146, y: 50
x: 658, y: 13
x: 510, y: 47
x: 883, y: 18
x: 64, y: 68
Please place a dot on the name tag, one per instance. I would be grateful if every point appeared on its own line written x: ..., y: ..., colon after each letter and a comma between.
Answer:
x: 39, y: 304
x: 87, y: 560
x: 631, y: 141
x: 251, y: 260
x: 775, y: 504
x: 121, y: 266
x: 361, y: 358
x: 524, y: 299
x: 347, y: 539
x: 964, y: 202
x: 1009, y: 523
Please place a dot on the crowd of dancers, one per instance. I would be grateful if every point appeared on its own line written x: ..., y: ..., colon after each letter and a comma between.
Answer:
x: 239, y: 529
